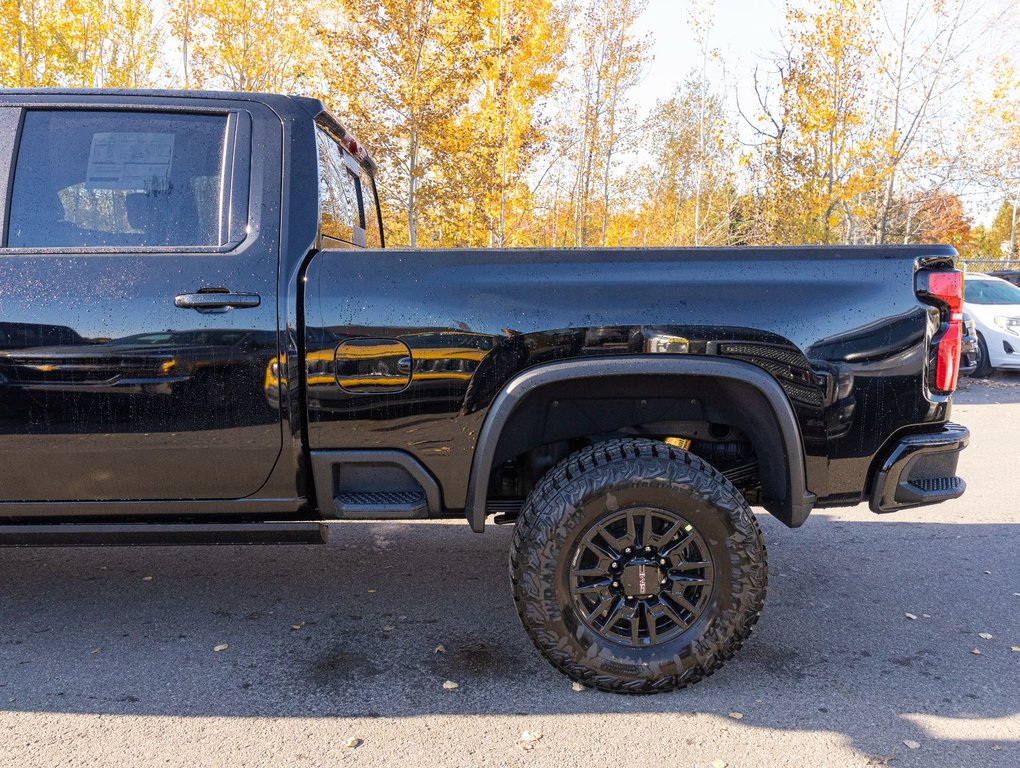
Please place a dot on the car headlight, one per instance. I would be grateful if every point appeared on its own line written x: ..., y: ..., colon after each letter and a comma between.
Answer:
x: 1009, y: 324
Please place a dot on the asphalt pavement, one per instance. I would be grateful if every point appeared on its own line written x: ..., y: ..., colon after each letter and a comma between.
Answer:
x: 887, y: 640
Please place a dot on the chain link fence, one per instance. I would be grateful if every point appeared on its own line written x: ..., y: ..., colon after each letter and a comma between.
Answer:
x: 991, y: 265
x: 1007, y: 269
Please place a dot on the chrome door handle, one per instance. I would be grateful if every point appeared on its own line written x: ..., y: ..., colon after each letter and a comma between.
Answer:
x: 217, y: 301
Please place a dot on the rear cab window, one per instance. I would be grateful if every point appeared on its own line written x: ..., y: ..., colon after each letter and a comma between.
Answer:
x: 340, y: 216
x: 137, y: 180
x: 348, y: 213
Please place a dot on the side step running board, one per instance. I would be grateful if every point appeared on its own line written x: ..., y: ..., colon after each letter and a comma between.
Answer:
x: 118, y: 534
x: 373, y: 485
x: 381, y: 505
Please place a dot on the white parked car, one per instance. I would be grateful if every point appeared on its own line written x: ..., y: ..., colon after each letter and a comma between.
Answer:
x: 994, y: 305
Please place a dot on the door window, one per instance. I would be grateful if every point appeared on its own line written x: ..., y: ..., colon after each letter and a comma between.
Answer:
x: 87, y: 179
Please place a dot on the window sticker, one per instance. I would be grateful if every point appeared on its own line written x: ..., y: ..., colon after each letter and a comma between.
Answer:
x: 139, y: 162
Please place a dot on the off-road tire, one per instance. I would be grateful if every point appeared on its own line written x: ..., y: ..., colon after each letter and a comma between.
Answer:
x: 593, y: 484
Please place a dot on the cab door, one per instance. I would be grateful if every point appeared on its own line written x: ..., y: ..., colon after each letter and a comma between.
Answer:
x: 137, y: 300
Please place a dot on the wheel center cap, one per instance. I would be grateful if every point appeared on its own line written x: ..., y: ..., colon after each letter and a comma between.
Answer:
x: 640, y: 578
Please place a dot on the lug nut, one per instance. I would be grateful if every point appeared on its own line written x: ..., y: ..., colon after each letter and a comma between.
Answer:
x: 627, y: 551
x: 662, y: 561
x: 616, y: 584
x: 614, y: 565
x: 648, y: 549
x: 664, y: 581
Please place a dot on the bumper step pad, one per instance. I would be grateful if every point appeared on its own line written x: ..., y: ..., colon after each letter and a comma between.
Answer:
x: 921, y: 469
x: 931, y: 490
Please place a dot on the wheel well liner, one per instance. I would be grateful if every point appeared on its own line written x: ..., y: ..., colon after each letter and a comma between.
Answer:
x: 715, y: 386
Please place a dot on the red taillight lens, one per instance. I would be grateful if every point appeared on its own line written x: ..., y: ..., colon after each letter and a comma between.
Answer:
x: 948, y: 368
x: 946, y: 289
x: 948, y: 286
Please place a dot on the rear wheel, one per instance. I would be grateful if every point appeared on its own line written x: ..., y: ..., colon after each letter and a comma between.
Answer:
x: 637, y: 567
x: 984, y: 367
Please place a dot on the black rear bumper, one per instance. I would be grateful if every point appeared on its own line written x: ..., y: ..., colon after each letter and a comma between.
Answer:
x: 921, y: 469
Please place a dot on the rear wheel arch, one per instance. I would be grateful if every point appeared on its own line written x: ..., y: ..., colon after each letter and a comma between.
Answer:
x: 755, y: 401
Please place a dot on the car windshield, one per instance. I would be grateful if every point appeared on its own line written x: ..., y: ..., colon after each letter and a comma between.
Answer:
x: 988, y: 292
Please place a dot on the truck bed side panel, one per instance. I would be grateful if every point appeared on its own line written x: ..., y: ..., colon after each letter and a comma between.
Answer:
x: 839, y: 328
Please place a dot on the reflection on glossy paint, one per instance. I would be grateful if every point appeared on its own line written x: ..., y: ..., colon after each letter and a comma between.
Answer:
x: 113, y: 412
x: 425, y: 369
x: 164, y: 363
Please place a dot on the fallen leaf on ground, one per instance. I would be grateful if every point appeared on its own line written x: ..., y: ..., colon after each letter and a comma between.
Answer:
x: 909, y: 744
x: 925, y: 615
x: 440, y: 649
x: 531, y: 736
x: 1015, y: 648
x: 910, y: 616
x: 450, y: 685
x: 97, y: 650
x: 976, y: 651
x: 389, y: 628
x: 371, y: 590
x: 985, y: 635
x: 737, y: 715
x: 146, y: 578
x: 353, y: 743
x: 717, y: 763
x: 579, y: 687
x: 297, y: 626
x: 221, y: 647
x: 988, y: 573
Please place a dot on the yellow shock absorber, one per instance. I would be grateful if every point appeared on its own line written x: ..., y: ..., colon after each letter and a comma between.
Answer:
x: 679, y: 442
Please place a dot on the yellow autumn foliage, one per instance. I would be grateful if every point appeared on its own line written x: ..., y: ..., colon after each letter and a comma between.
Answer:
x: 516, y: 122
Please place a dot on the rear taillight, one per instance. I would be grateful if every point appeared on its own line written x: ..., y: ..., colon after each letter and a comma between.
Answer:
x: 947, y: 368
x: 944, y: 289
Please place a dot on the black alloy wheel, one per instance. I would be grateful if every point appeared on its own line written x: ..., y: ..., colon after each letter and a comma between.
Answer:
x: 641, y: 577
x: 637, y: 567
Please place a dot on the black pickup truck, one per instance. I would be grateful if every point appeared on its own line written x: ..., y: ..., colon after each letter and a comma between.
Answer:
x: 202, y: 340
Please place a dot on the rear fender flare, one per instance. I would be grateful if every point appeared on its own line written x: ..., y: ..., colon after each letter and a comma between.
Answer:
x: 793, y: 509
